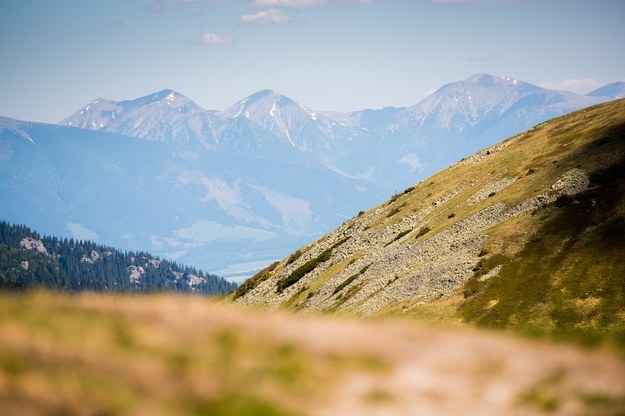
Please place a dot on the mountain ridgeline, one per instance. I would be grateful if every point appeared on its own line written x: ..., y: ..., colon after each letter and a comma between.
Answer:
x: 526, y: 234
x: 28, y: 261
x: 233, y: 190
x: 387, y: 146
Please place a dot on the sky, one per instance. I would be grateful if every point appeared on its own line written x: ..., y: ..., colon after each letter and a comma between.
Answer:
x: 342, y: 55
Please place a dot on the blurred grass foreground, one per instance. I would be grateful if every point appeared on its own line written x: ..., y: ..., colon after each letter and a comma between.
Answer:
x: 168, y: 355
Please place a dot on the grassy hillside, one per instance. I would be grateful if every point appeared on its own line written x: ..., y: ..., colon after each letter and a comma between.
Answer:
x: 158, y: 355
x: 524, y: 235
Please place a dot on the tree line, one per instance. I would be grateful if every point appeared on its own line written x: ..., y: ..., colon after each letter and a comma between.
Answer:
x: 28, y: 260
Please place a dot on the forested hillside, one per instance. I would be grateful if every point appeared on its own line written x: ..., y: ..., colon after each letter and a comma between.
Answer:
x: 28, y: 260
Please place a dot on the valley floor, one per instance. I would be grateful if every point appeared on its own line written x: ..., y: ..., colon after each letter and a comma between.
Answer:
x: 161, y: 355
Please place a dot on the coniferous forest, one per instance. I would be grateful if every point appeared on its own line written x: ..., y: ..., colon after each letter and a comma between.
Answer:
x: 28, y: 261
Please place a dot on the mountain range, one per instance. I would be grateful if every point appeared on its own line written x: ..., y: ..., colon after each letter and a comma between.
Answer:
x: 390, y: 146
x: 229, y: 191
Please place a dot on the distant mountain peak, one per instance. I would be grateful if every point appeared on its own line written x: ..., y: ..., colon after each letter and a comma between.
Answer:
x: 264, y: 93
x: 280, y: 116
x: 264, y: 102
x: 166, y: 97
x: 479, y: 82
x: 487, y: 80
x: 268, y: 96
x: 479, y: 102
x: 481, y: 77
x: 164, y: 94
x: 164, y: 115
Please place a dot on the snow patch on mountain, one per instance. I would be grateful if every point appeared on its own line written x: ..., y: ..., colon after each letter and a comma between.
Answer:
x: 228, y: 197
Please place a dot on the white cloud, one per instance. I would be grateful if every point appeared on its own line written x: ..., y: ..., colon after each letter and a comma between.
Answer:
x: 270, y: 16
x: 209, y: 38
x: 576, y: 85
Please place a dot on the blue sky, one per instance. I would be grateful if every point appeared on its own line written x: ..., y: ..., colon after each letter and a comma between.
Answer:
x: 326, y: 54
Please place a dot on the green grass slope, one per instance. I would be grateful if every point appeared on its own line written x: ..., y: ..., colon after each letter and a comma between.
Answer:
x: 525, y: 235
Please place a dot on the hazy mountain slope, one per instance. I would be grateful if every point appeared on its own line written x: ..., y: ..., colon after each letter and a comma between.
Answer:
x: 164, y: 116
x: 215, y: 210
x: 181, y: 356
x: 457, y: 120
x: 481, y: 100
x: 169, y: 116
x: 296, y: 125
x: 523, y: 234
x: 612, y: 90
